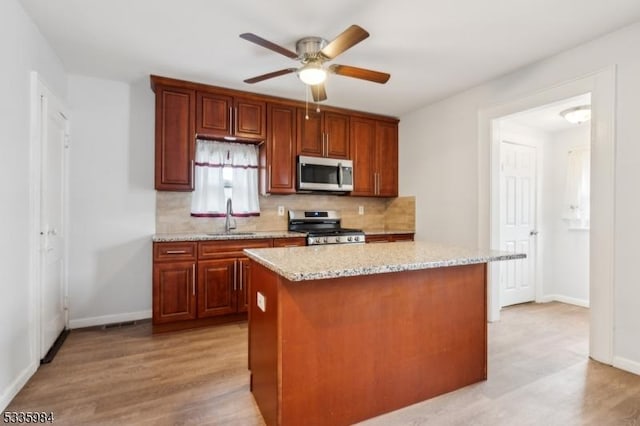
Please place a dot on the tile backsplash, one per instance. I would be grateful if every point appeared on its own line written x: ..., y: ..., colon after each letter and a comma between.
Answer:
x: 173, y: 213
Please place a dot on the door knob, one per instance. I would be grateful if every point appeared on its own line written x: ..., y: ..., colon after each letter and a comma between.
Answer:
x: 533, y: 232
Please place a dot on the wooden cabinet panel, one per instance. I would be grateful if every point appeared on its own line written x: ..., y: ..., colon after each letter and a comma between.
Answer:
x: 221, y: 116
x: 174, y: 251
x: 336, y: 128
x: 281, y: 149
x: 175, y: 138
x: 229, y: 248
x: 363, y: 155
x: 216, y: 287
x: 374, y: 151
x: 310, y: 133
x: 388, y: 238
x: 387, y: 158
x: 250, y: 120
x: 174, y: 292
x: 214, y: 114
x: 324, y: 134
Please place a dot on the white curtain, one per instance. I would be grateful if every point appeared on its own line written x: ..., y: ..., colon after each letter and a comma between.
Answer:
x: 578, y: 188
x: 208, y: 199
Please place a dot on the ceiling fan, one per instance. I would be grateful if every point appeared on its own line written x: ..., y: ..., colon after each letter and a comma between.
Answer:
x: 313, y: 52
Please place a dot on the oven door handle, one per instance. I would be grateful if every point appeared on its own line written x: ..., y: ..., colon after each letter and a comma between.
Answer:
x: 340, y: 175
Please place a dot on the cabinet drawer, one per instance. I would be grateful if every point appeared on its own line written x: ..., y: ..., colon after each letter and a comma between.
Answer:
x: 229, y: 248
x: 174, y: 251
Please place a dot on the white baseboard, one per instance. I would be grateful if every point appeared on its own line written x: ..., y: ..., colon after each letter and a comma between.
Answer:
x: 108, y: 319
x: 13, y: 389
x: 626, y: 365
x: 565, y: 299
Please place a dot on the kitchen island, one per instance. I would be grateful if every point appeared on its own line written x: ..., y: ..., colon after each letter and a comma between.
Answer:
x: 339, y: 334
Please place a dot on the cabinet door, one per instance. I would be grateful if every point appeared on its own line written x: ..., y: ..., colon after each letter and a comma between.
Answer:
x: 174, y: 292
x: 281, y: 146
x: 249, y: 119
x: 175, y: 139
x: 336, y: 130
x: 214, y: 115
x: 310, y: 137
x: 216, y: 287
x: 243, y: 284
x: 363, y: 154
x: 387, y: 158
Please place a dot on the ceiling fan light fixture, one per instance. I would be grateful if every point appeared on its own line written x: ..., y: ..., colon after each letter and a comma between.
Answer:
x: 577, y: 115
x: 312, y: 74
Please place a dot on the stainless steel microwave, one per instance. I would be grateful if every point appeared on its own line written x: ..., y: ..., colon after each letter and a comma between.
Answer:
x: 324, y: 174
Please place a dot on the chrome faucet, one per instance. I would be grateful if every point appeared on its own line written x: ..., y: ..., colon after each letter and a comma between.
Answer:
x: 229, y: 222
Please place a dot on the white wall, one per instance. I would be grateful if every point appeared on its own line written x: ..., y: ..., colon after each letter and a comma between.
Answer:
x: 23, y: 50
x: 566, y: 251
x: 111, y: 201
x: 439, y: 162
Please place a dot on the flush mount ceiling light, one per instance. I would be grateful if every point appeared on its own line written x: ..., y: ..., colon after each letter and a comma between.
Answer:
x: 577, y: 115
x: 312, y: 73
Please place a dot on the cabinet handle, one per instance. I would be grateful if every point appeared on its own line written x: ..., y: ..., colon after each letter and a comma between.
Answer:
x: 230, y: 120
x: 176, y: 251
x: 235, y: 120
x: 193, y: 278
x: 240, y: 267
x: 192, y: 173
x: 235, y: 269
x: 322, y: 144
x: 269, y: 178
x: 327, y: 142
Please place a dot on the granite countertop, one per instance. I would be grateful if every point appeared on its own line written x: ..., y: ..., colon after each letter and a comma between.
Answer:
x: 241, y: 235
x: 345, y: 260
x: 214, y: 236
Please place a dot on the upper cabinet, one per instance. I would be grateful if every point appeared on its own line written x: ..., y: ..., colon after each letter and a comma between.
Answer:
x: 374, y: 151
x: 230, y: 117
x: 324, y: 134
x: 280, y: 150
x: 175, y: 138
x: 282, y: 129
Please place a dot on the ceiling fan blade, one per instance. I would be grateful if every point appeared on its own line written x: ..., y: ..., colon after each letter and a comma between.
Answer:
x: 361, y: 73
x: 318, y: 92
x: 269, y: 45
x: 270, y: 75
x: 348, y: 38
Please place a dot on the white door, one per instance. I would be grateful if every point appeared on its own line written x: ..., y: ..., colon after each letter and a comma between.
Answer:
x: 54, y: 137
x: 517, y: 222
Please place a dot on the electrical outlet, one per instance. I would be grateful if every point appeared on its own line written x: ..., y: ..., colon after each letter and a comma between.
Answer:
x: 261, y: 301
x: 360, y: 209
x: 280, y: 210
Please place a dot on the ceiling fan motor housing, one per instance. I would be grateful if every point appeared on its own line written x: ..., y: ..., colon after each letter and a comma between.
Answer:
x: 308, y: 48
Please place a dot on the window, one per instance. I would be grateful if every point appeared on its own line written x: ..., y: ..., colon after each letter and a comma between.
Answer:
x: 225, y: 171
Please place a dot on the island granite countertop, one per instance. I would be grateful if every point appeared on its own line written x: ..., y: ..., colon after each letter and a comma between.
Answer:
x: 345, y: 260
x: 221, y: 236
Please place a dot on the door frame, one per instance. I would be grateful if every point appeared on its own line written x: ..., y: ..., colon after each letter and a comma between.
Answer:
x: 602, y: 85
x: 39, y: 89
x: 496, y: 213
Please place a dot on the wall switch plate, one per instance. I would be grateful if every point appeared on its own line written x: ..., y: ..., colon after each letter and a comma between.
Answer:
x: 360, y: 209
x: 280, y: 210
x: 261, y: 302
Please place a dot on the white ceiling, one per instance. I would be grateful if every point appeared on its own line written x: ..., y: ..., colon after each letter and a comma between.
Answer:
x: 432, y: 49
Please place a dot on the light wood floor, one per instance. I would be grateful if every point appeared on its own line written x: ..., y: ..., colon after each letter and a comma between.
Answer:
x: 539, y: 374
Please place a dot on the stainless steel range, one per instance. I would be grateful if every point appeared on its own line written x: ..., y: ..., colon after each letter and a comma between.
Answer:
x: 323, y: 227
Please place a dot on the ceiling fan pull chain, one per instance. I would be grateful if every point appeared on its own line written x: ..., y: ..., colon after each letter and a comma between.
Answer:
x: 306, y: 104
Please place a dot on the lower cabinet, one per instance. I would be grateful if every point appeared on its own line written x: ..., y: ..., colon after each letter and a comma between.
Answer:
x: 200, y: 283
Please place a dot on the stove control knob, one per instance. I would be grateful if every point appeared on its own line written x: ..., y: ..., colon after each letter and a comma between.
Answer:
x: 356, y: 238
x: 325, y: 240
x: 337, y: 239
x: 349, y: 238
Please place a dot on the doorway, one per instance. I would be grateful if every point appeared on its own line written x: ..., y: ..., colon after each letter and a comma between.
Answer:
x: 48, y: 189
x: 544, y: 203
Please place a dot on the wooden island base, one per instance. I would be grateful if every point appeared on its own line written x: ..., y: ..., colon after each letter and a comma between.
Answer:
x: 338, y: 351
